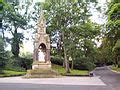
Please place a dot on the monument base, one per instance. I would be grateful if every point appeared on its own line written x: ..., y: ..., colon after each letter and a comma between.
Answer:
x: 42, y: 73
x: 41, y: 70
x: 41, y: 65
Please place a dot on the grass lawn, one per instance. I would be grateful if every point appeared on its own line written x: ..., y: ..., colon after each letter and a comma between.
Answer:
x: 115, y: 69
x: 8, y: 73
x: 61, y: 70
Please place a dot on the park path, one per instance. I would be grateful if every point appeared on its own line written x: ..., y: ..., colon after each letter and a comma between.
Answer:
x: 110, y: 78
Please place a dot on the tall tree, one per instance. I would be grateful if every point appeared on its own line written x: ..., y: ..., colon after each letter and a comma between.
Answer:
x: 69, y: 22
x: 2, y: 54
x: 113, y: 30
x: 64, y: 15
x: 13, y: 21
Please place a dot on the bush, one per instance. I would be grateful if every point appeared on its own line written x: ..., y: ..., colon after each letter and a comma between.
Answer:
x: 15, y: 68
x: 56, y: 60
x: 89, y: 65
x: 2, y: 63
x: 2, y: 55
x: 18, y: 64
x: 26, y: 63
x: 84, y: 64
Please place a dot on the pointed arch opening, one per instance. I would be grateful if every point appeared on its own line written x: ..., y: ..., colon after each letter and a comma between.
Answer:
x: 42, y: 52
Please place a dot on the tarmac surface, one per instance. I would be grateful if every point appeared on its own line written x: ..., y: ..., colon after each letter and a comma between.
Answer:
x: 56, y: 81
x: 104, y: 79
x: 110, y: 78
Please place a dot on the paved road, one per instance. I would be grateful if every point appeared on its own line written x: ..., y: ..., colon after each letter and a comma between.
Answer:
x: 50, y: 87
x: 111, y: 80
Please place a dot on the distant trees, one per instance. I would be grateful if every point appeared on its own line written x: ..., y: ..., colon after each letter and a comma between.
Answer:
x: 105, y: 56
x: 110, y: 47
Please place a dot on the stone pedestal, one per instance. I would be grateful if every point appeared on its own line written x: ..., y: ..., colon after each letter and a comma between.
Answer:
x: 41, y: 65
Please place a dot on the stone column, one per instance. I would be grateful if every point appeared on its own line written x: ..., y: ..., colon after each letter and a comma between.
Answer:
x: 48, y: 55
x: 36, y: 55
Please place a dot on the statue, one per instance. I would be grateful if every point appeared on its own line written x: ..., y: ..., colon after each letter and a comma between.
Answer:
x: 41, y: 55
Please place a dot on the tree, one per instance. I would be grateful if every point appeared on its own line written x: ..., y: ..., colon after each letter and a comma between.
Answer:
x: 80, y: 42
x: 69, y: 22
x: 62, y: 17
x: 105, y: 53
x: 26, y: 60
x: 2, y: 54
x: 113, y: 31
x: 13, y: 21
x: 116, y: 52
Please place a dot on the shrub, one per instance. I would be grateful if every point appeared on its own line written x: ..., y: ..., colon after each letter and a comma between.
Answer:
x: 84, y: 64
x: 19, y: 64
x: 26, y: 63
x: 57, y: 60
x: 2, y: 55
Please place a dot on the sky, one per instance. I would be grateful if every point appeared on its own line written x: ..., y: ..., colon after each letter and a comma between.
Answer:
x: 97, y: 16
x: 28, y: 45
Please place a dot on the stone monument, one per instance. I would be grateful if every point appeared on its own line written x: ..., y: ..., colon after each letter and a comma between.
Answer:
x: 41, y: 57
x: 41, y: 67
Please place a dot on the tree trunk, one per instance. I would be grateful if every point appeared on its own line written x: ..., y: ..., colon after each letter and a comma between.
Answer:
x: 65, y: 55
x: 118, y: 61
x: 63, y: 63
x: 15, y: 44
x: 3, y: 34
x: 72, y: 65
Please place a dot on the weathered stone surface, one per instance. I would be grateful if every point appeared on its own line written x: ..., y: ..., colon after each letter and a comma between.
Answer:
x: 41, y: 45
x: 42, y: 73
x: 41, y: 65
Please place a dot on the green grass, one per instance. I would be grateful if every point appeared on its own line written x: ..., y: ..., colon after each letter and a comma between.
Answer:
x: 115, y: 69
x: 8, y: 73
x: 61, y: 70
